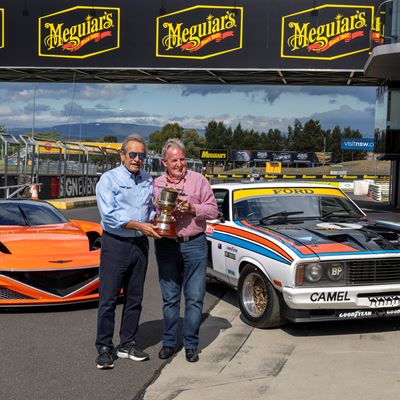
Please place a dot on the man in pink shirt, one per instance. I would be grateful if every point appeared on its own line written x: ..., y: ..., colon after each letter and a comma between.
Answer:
x: 182, y: 262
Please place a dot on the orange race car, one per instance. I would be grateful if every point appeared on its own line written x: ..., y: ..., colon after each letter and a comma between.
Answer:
x: 46, y: 259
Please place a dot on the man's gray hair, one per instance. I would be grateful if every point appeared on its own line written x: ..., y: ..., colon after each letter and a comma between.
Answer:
x: 133, y: 138
x: 174, y: 142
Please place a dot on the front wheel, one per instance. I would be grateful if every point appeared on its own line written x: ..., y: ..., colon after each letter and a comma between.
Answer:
x: 258, y: 300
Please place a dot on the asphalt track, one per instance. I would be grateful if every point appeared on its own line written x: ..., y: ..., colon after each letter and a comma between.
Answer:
x: 49, y: 353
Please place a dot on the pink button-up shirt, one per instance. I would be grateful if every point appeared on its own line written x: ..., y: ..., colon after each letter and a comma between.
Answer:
x: 197, y: 191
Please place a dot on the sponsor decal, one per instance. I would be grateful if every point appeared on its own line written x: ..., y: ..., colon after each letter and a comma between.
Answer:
x: 230, y: 255
x: 1, y: 28
x: 209, y: 230
x: 213, y: 155
x: 199, y: 32
x: 329, y: 296
x: 293, y: 191
x: 355, y: 314
x: 393, y: 312
x: 336, y: 226
x: 230, y: 272
x: 327, y: 32
x: 242, y: 194
x: 79, y: 32
x: 384, y: 301
x: 232, y: 249
x: 76, y: 186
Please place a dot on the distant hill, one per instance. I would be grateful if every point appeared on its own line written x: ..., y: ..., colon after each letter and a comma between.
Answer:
x: 92, y: 131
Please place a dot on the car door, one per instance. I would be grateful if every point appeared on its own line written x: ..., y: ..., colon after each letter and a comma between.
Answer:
x: 216, y: 247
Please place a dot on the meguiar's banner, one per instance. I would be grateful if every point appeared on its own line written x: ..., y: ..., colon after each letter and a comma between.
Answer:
x: 257, y: 34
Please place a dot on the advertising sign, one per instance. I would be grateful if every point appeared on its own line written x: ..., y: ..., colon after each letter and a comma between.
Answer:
x: 214, y: 155
x: 357, y: 144
x: 200, y: 32
x: 225, y: 34
x: 79, y: 32
x: 1, y: 27
x: 278, y: 156
x: 327, y: 32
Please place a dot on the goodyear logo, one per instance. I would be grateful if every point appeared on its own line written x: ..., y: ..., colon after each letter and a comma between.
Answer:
x: 199, y: 32
x: 327, y: 32
x: 79, y: 32
x: 1, y: 28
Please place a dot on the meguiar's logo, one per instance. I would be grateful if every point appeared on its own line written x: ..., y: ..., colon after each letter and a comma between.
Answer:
x: 1, y: 27
x: 199, y: 32
x: 214, y: 155
x: 79, y: 32
x: 327, y: 32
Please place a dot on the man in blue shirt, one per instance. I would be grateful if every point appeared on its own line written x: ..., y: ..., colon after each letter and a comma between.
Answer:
x: 125, y: 201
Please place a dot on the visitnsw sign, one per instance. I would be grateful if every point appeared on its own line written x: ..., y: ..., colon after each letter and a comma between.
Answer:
x: 357, y: 144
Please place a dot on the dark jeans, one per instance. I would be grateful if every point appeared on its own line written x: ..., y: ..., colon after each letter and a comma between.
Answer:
x: 123, y: 264
x: 182, y: 265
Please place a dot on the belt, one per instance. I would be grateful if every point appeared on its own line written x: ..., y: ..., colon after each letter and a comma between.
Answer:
x: 136, y: 239
x: 181, y: 239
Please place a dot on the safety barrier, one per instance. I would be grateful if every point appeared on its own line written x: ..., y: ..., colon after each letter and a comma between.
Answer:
x: 302, y: 177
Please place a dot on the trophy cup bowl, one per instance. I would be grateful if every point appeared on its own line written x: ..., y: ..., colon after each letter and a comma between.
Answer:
x: 166, y: 204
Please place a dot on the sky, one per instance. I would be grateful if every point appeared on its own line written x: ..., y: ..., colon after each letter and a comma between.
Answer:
x: 261, y: 107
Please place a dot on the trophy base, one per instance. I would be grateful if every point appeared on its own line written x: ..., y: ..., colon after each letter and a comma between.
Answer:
x: 167, y: 229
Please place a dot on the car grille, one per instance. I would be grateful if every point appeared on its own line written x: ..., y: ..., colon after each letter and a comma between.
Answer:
x: 374, y: 272
x: 59, y: 282
x: 7, y: 294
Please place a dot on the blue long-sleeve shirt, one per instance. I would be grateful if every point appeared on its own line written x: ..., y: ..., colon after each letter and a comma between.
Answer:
x: 123, y: 197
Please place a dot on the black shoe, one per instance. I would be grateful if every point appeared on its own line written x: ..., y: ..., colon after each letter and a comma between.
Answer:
x: 166, y: 352
x: 105, y: 359
x: 192, y: 355
x: 132, y: 352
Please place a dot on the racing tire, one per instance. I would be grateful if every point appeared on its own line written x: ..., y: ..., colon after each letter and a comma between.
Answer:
x: 258, y: 300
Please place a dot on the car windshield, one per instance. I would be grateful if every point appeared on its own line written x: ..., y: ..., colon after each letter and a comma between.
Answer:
x: 281, y: 208
x: 25, y: 213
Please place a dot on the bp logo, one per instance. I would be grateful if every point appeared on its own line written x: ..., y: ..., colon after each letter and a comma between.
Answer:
x: 1, y: 28
x: 327, y: 32
x: 199, y: 32
x: 79, y: 32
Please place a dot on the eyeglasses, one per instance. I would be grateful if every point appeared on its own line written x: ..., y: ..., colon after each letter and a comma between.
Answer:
x: 134, y: 154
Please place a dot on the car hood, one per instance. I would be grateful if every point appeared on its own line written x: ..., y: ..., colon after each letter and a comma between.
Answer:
x: 328, y: 238
x: 46, y: 239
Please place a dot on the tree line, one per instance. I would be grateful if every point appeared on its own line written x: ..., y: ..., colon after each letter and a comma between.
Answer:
x: 309, y: 137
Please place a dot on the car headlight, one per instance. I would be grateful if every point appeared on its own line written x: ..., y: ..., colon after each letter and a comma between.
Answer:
x: 324, y: 273
x: 313, y: 272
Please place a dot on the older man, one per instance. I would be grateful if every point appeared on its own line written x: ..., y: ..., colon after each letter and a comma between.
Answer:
x: 125, y: 201
x: 182, y: 262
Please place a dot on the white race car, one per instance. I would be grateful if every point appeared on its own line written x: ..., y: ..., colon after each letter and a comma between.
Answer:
x: 303, y: 252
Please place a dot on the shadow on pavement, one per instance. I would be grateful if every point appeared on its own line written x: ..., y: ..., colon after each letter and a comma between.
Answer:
x: 358, y: 327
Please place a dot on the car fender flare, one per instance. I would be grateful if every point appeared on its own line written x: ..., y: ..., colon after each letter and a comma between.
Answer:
x: 248, y: 260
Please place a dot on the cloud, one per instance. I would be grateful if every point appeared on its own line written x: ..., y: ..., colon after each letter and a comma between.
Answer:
x: 271, y: 93
x: 346, y: 116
